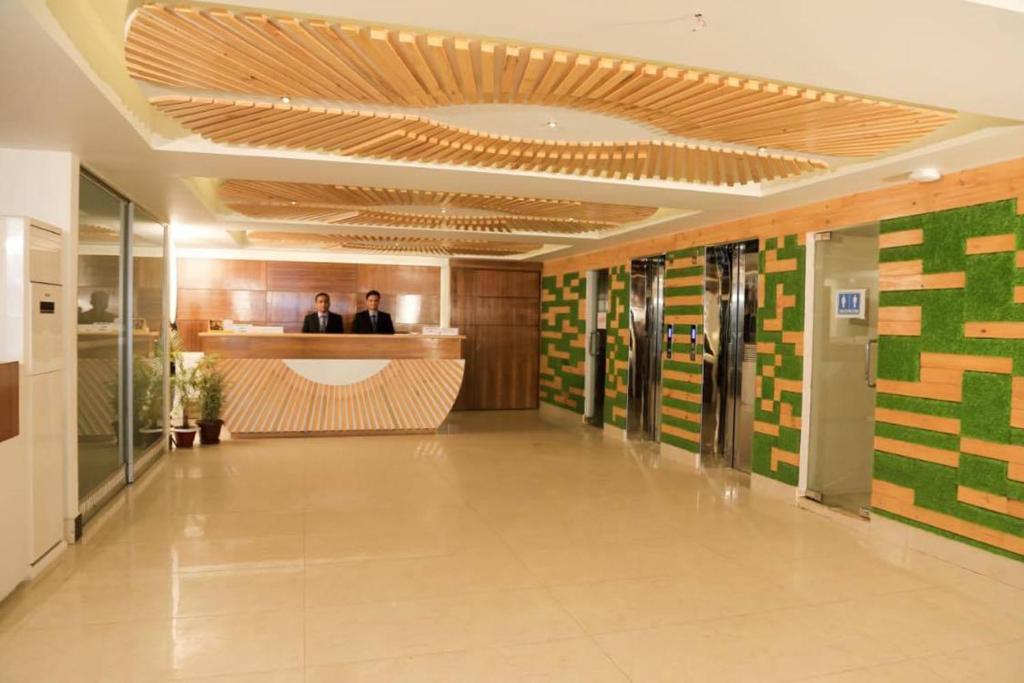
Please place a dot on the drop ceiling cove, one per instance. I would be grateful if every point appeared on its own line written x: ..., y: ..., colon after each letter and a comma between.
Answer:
x: 237, y: 77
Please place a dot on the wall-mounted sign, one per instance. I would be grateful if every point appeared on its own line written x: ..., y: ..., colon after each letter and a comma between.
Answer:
x: 851, y: 303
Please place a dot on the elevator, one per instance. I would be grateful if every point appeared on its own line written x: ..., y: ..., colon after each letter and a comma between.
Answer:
x: 646, y: 322
x: 730, y: 355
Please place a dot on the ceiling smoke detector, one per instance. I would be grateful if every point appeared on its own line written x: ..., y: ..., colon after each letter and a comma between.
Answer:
x: 925, y: 174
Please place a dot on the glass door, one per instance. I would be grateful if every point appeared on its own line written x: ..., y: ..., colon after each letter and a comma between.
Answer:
x: 845, y: 332
x: 102, y: 217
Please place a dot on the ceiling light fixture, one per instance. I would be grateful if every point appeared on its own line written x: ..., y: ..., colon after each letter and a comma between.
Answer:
x: 925, y: 174
x: 552, y: 124
x: 762, y: 150
x: 285, y: 99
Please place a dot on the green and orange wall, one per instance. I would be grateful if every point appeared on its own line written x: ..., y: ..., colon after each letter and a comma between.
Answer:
x: 949, y: 422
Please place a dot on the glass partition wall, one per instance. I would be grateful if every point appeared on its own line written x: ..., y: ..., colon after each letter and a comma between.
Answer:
x: 122, y: 384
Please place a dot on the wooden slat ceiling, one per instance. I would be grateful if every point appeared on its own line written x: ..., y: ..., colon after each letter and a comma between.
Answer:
x: 390, y: 245
x: 411, y: 138
x: 249, y: 52
x: 350, y: 205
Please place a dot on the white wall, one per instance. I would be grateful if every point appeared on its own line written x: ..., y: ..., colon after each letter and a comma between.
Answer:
x: 42, y: 185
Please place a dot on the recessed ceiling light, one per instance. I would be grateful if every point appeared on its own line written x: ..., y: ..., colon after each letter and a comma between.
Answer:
x: 444, y: 209
x: 552, y: 124
x: 762, y: 150
x: 285, y: 99
x: 925, y: 174
x: 293, y: 203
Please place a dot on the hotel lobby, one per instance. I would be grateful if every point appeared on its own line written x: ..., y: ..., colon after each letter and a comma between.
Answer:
x: 347, y: 341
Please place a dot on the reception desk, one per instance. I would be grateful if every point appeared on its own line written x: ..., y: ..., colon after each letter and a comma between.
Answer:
x: 336, y: 384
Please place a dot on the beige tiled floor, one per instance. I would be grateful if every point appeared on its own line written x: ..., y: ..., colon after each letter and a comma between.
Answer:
x: 514, y: 547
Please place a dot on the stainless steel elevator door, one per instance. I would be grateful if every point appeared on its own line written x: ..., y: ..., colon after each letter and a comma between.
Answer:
x: 730, y: 355
x: 646, y: 318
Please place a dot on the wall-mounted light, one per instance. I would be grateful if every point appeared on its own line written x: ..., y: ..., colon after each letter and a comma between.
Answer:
x: 925, y: 174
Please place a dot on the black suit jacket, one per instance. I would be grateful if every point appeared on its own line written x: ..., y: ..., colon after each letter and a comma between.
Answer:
x: 362, y: 325
x: 334, y: 323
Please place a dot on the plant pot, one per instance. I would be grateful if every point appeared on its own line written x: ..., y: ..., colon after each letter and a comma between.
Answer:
x: 184, y: 437
x: 209, y: 431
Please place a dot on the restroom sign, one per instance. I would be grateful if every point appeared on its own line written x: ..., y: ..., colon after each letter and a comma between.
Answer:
x: 850, y: 303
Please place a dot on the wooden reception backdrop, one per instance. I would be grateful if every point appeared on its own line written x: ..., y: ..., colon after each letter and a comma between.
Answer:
x: 281, y: 293
x: 495, y: 304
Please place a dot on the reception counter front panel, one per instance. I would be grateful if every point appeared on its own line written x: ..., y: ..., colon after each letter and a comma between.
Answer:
x: 336, y: 384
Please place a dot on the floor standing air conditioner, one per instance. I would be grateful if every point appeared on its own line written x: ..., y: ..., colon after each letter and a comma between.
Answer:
x: 37, y: 251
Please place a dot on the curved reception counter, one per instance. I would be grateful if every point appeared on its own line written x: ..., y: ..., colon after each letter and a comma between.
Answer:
x: 336, y: 384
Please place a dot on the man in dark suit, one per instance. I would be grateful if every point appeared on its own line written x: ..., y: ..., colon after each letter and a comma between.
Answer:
x: 323, y: 321
x: 373, y: 321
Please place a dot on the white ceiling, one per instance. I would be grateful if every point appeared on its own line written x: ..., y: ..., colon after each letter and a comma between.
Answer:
x: 965, y: 56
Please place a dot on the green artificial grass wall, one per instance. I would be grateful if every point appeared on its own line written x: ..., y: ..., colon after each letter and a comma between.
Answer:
x: 563, y: 340
x: 984, y: 412
x: 768, y: 408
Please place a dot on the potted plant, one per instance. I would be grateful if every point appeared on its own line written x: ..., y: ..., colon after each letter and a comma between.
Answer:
x: 211, y: 400
x: 185, y: 388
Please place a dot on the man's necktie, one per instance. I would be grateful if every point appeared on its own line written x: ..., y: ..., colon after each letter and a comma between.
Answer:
x: 373, y: 321
x: 323, y: 323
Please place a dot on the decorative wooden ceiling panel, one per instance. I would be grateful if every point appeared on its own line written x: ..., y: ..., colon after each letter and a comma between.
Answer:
x: 349, y: 205
x: 414, y: 139
x: 249, y: 52
x: 390, y: 245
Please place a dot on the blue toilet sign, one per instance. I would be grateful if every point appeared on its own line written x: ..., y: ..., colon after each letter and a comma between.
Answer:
x: 850, y: 303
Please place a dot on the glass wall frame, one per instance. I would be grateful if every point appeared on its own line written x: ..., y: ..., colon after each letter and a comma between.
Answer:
x: 122, y: 340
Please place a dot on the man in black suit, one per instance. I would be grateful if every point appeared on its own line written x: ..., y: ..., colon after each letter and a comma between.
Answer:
x: 323, y: 321
x: 373, y: 321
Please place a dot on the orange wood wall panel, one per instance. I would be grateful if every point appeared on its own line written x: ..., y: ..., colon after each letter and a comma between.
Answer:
x: 9, y: 401
x: 311, y: 277
x: 965, y: 188
x: 222, y: 304
x: 392, y: 280
x: 222, y: 274
x: 280, y: 293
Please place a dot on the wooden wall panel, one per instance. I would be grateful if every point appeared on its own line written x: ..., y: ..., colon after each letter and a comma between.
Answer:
x: 222, y: 304
x: 311, y: 277
x: 391, y: 280
x: 9, y: 401
x: 280, y: 293
x: 222, y: 274
x: 497, y: 308
x: 965, y: 188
